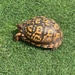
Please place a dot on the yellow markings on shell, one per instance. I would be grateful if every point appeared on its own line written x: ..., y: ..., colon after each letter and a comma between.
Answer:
x: 32, y: 36
x: 37, y: 21
x: 52, y: 21
x: 29, y: 21
x: 57, y: 35
x: 28, y: 33
x: 51, y: 45
x: 32, y: 22
x: 38, y: 45
x: 56, y: 26
x: 25, y: 39
x: 47, y: 39
x: 35, y: 37
x: 44, y: 18
x: 32, y: 43
x: 48, y: 36
x: 47, y: 22
x: 43, y: 24
x: 30, y: 28
x: 50, y: 32
x: 39, y: 30
x: 44, y: 46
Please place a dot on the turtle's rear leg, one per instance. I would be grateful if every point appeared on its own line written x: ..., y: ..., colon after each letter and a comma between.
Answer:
x: 17, y: 36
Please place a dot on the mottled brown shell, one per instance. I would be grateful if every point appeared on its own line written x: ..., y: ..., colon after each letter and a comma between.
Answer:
x: 42, y: 32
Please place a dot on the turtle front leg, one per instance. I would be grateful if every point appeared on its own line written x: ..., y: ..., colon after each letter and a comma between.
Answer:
x: 17, y: 36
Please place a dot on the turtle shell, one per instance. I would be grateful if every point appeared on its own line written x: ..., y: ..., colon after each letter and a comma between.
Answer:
x: 42, y: 32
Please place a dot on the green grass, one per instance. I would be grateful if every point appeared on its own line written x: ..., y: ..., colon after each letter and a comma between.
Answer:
x: 19, y: 58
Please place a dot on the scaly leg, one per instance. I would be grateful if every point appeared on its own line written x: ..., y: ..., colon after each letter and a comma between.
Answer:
x: 17, y: 36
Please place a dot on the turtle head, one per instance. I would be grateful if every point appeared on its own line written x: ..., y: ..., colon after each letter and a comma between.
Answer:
x: 20, y: 27
x: 19, y: 34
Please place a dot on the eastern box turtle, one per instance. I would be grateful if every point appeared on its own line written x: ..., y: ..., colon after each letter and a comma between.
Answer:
x: 41, y: 32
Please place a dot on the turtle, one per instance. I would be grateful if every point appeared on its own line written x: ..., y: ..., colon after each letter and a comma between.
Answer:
x: 40, y: 31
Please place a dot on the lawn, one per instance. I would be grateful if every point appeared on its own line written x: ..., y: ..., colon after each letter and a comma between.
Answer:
x: 20, y: 58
